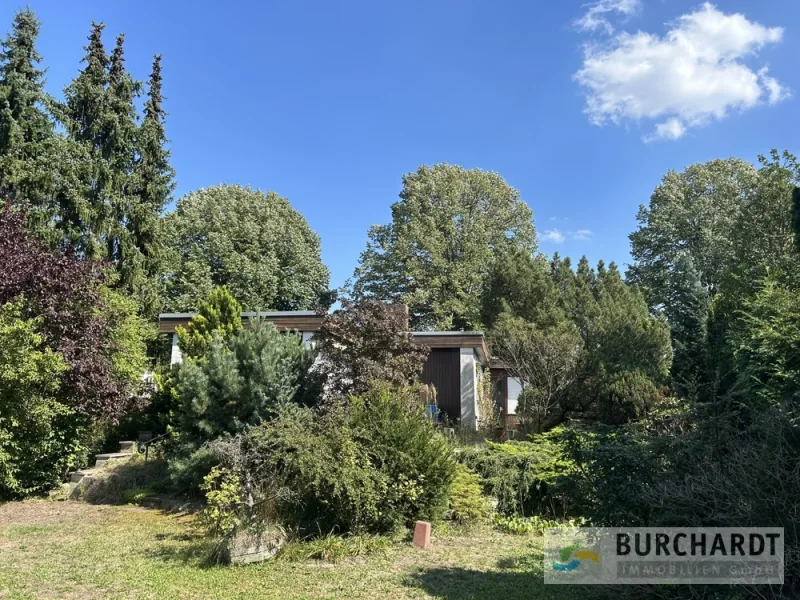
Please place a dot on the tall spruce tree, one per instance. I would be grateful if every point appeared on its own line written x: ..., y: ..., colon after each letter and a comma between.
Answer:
x: 117, y: 151
x: 130, y: 178
x: 83, y: 115
x: 27, y: 138
x: 687, y: 312
x: 153, y: 186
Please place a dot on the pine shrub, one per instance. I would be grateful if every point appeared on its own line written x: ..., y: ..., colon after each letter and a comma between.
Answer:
x: 468, y: 505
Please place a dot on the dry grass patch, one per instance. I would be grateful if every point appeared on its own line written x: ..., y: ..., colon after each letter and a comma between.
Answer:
x: 73, y: 549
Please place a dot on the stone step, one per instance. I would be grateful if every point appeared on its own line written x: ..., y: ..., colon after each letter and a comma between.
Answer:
x: 75, y: 480
x: 100, y: 460
x: 112, y: 455
x: 127, y: 447
x: 76, y: 476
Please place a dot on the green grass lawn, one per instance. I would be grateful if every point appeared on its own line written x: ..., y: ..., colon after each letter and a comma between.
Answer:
x: 74, y: 550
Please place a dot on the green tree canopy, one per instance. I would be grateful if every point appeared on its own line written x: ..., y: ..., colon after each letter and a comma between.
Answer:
x: 692, y: 213
x: 33, y: 452
x: 446, y: 231
x: 581, y: 342
x: 252, y: 242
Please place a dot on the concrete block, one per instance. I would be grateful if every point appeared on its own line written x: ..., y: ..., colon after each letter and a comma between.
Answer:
x: 74, y: 486
x: 127, y: 447
x: 422, y: 534
x: 76, y: 476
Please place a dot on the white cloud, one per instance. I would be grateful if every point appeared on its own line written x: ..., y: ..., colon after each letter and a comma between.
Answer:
x: 554, y: 235
x: 692, y: 75
x: 671, y: 129
x: 581, y: 234
x: 776, y: 91
x: 596, y: 16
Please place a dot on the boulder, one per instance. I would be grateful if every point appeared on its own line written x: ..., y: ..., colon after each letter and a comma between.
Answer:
x: 247, y: 547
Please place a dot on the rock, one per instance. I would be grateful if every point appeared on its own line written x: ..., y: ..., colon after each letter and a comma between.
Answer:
x: 247, y: 547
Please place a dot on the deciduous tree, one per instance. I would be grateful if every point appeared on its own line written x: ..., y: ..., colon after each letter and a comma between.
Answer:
x: 447, y: 228
x: 252, y: 242
x: 364, y: 343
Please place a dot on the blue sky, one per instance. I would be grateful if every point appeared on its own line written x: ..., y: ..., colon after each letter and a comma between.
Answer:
x: 581, y: 106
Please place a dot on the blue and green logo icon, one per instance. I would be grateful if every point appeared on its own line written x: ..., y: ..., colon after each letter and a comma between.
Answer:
x: 572, y: 556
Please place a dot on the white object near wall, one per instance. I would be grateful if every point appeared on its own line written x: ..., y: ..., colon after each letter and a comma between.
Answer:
x: 514, y: 390
x: 175, y: 357
x: 469, y: 389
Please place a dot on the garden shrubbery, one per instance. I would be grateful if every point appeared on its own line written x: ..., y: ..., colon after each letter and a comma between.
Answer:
x: 370, y: 467
x: 72, y: 353
x: 524, y: 477
x: 237, y: 383
x: 468, y: 505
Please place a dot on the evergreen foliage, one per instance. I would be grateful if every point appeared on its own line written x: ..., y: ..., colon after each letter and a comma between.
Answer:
x: 238, y: 383
x: 26, y: 129
x: 97, y: 182
x: 524, y: 477
x: 582, y: 343
x: 468, y: 505
x: 220, y: 315
x: 369, y: 467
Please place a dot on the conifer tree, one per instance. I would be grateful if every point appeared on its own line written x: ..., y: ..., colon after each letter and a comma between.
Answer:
x: 220, y: 315
x: 153, y: 185
x: 26, y: 130
x: 118, y: 153
x: 83, y: 115
x: 687, y: 312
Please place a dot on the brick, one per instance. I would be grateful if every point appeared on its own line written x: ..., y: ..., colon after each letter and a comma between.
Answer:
x: 422, y: 534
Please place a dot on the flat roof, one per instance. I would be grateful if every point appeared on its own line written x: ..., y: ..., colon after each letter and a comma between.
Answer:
x: 309, y: 320
x: 447, y: 333
x: 302, y: 320
x: 274, y: 313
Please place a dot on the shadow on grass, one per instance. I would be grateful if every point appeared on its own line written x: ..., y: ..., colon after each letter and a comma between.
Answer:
x: 468, y: 584
x: 186, y: 549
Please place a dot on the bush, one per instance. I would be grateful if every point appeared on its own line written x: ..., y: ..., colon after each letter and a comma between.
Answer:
x: 368, y: 467
x: 237, y: 383
x: 524, y: 477
x: 614, y: 467
x: 320, y: 462
x: 404, y: 444
x: 467, y: 503
x: 38, y: 434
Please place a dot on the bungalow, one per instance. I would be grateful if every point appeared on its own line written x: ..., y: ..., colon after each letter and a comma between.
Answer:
x: 454, y: 366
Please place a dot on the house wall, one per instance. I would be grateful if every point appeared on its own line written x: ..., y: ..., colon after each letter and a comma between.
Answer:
x: 442, y: 370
